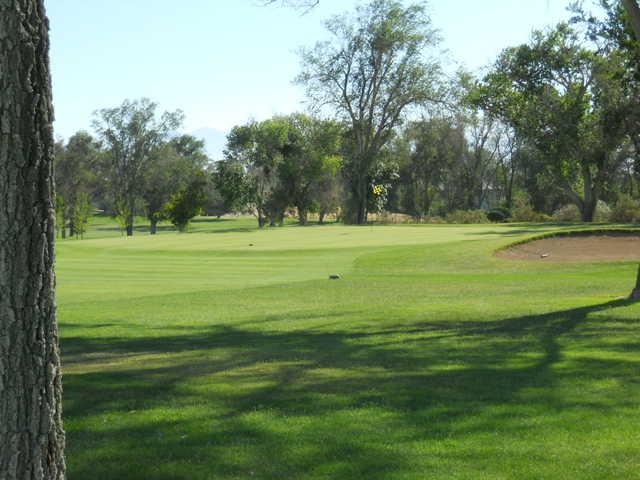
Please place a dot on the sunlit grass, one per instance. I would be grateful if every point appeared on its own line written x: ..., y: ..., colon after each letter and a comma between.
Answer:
x: 228, y: 353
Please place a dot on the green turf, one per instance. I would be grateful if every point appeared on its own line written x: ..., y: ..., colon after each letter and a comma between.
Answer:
x: 197, y: 356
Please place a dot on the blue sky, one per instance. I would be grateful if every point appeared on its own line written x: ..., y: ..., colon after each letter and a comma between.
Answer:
x: 225, y: 61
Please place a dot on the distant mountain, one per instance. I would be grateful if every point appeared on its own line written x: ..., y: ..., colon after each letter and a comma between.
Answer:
x: 215, y: 141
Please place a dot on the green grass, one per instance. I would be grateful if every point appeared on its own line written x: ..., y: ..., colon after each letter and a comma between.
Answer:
x: 197, y: 356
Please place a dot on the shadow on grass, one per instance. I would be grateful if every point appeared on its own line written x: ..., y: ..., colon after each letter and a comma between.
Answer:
x: 289, y: 404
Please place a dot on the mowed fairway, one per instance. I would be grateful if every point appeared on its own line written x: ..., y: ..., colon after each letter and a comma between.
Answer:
x: 227, y: 353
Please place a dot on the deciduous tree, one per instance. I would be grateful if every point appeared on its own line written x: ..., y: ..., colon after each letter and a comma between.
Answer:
x: 570, y: 104
x: 131, y: 133
x: 31, y: 434
x: 371, y: 71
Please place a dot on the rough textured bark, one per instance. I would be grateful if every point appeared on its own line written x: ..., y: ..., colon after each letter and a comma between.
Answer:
x: 31, y: 434
x: 633, y: 9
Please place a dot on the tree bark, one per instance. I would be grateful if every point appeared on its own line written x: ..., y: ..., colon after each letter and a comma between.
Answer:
x: 588, y: 210
x: 635, y: 294
x: 590, y: 201
x: 634, y: 14
x: 302, y: 216
x: 361, y: 202
x: 31, y: 434
x: 154, y: 226
x: 129, y: 225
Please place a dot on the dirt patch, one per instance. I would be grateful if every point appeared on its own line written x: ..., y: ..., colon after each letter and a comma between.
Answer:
x: 592, y: 248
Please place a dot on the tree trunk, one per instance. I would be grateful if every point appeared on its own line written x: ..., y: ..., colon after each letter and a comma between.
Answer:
x: 590, y: 202
x: 129, y: 225
x: 588, y: 211
x: 362, y: 200
x: 72, y: 229
x: 321, y: 216
x: 153, y: 229
x: 302, y: 216
x: 362, y: 211
x: 31, y: 434
x: 634, y: 14
x: 635, y: 294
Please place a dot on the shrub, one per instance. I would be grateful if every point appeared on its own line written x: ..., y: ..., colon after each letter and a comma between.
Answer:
x: 467, y: 216
x: 568, y: 213
x: 187, y: 203
x: 571, y: 213
x: 525, y: 213
x: 499, y: 214
x: 626, y: 210
x: 434, y: 220
x: 603, y: 213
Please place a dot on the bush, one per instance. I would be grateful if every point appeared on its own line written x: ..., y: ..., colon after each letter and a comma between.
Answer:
x: 467, y: 216
x: 571, y: 213
x: 187, y: 203
x: 603, y: 213
x: 499, y: 214
x: 434, y: 220
x: 568, y: 213
x: 525, y: 213
x: 626, y: 210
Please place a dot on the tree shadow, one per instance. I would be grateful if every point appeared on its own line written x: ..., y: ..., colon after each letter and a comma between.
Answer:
x: 249, y: 390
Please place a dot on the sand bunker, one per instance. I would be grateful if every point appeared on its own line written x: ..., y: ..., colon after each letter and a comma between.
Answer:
x: 582, y: 248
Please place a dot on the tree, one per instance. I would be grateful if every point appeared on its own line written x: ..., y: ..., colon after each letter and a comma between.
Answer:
x: 131, y: 133
x: 31, y: 433
x: 259, y: 148
x: 75, y: 173
x: 214, y: 204
x: 81, y: 214
x: 310, y: 145
x: 327, y: 190
x: 231, y: 181
x: 569, y: 103
x: 187, y: 203
x: 371, y: 71
x: 633, y: 11
x: 432, y: 149
x: 172, y: 165
x: 509, y: 156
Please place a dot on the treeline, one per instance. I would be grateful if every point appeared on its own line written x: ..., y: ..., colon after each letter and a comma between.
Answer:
x: 135, y: 166
x: 551, y: 131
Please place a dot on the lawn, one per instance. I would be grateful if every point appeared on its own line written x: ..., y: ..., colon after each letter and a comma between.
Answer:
x: 227, y: 353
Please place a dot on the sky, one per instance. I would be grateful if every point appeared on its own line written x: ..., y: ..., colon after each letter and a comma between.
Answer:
x: 224, y: 62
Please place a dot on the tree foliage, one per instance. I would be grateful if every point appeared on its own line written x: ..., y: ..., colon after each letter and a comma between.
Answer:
x: 371, y: 71
x: 131, y: 132
x: 187, y: 202
x: 568, y: 102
